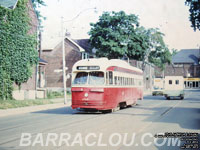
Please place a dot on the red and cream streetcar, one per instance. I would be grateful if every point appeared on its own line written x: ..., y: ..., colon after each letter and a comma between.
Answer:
x: 103, y: 84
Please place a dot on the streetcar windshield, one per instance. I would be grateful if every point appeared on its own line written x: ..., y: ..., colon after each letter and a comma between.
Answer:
x: 96, y: 78
x: 91, y: 78
x: 81, y: 78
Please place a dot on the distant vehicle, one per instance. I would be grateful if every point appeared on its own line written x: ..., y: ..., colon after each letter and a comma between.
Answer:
x: 102, y: 84
x: 158, y: 86
x: 174, y: 87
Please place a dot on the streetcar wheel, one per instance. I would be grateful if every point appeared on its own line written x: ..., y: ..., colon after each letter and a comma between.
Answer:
x: 133, y: 104
x: 115, y: 109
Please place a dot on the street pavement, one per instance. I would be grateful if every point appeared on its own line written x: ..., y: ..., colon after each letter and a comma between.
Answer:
x: 127, y: 129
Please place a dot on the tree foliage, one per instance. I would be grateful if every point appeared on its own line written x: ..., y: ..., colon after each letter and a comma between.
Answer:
x: 36, y: 5
x: 159, y: 53
x: 194, y: 13
x: 118, y: 35
x: 18, y: 52
x: 112, y: 36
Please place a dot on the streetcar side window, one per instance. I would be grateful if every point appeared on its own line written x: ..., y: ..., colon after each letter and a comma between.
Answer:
x: 107, y: 79
x: 115, y: 80
x: 110, y: 77
x: 140, y: 82
x: 123, y: 81
x: 119, y: 81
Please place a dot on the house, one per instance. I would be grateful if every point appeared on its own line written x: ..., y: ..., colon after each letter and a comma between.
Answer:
x: 74, y: 50
x: 31, y: 89
x: 185, y: 63
x: 11, y: 4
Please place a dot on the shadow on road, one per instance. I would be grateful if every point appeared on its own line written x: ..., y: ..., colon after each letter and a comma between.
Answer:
x: 68, y: 111
x: 159, y: 98
x: 61, y: 111
x: 187, y: 118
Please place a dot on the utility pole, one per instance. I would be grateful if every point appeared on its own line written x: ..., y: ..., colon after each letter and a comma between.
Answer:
x: 63, y: 50
x: 64, y: 63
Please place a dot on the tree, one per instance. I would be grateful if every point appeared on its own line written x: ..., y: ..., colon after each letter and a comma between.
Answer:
x: 114, y: 36
x: 18, y: 52
x: 159, y: 54
x: 117, y: 35
x: 194, y: 13
x: 174, y: 52
x: 36, y: 5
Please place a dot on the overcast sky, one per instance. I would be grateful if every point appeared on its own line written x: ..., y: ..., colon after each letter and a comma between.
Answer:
x: 170, y: 16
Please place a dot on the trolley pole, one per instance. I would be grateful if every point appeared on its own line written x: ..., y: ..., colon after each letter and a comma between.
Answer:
x: 64, y: 61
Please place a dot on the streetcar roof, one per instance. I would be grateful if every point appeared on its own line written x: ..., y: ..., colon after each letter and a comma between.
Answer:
x: 104, y: 63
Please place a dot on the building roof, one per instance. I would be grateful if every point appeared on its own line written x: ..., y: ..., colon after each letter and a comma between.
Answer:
x: 84, y: 43
x: 42, y: 61
x: 187, y: 56
x: 8, y: 3
x: 76, y: 44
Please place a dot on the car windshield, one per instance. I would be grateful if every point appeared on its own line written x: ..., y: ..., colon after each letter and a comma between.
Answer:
x: 91, y: 78
x: 156, y: 87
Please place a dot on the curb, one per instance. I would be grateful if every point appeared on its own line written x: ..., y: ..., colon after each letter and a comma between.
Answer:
x: 22, y: 110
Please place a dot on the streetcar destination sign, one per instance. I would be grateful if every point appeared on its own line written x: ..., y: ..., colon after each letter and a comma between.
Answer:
x: 88, y: 68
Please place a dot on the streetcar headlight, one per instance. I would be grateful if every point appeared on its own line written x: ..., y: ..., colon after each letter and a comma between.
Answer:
x: 86, y: 95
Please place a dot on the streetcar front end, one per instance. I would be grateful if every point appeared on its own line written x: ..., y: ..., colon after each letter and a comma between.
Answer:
x: 88, y: 88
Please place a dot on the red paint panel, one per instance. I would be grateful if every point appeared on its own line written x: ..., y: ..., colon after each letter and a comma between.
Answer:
x: 114, y: 68
x: 103, y: 98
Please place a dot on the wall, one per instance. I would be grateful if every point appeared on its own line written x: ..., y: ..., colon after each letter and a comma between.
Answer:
x: 54, y: 59
x: 185, y: 70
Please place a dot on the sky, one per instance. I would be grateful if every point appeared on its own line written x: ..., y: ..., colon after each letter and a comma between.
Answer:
x: 170, y: 16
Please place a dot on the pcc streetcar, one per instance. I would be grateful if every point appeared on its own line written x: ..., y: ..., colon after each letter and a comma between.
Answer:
x: 103, y: 84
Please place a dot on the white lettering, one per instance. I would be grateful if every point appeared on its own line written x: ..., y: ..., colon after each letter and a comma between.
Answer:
x: 160, y: 144
x: 51, y: 137
x: 126, y: 139
x: 142, y: 139
x: 77, y: 140
x: 111, y: 139
x: 100, y: 140
x: 62, y: 139
x: 87, y: 137
x: 38, y: 140
x: 173, y: 141
x: 25, y: 139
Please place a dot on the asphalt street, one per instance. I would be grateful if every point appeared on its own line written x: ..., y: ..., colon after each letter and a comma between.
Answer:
x: 127, y: 129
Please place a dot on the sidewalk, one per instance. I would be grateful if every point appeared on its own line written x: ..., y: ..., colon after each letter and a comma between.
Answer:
x: 21, y: 110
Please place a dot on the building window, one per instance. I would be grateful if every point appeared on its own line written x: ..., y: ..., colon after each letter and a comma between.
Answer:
x: 170, y: 81
x: 177, y: 82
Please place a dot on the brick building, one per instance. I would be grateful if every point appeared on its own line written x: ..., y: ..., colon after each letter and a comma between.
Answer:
x: 74, y: 50
x: 31, y: 89
x: 185, y: 63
